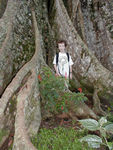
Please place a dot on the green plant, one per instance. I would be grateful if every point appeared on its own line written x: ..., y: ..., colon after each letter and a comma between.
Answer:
x: 103, y: 126
x: 11, y: 147
x: 109, y: 115
x: 59, y: 138
x: 54, y: 94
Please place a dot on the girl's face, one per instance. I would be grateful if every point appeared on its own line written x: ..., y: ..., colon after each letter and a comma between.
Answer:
x: 61, y: 47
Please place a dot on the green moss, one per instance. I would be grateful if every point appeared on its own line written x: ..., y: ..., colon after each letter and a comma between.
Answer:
x: 33, y: 102
x: 12, y: 106
x: 31, y: 117
x: 29, y: 113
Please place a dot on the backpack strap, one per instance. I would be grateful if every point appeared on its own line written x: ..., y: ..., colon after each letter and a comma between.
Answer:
x: 68, y: 61
x: 57, y: 55
x: 67, y: 56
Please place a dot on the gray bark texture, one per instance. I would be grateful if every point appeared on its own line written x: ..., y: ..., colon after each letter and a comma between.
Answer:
x: 24, y: 90
x: 15, y: 39
x: 93, y: 22
x: 87, y: 69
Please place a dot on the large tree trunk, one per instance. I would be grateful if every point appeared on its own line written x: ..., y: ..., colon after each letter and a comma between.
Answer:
x: 19, y: 97
x: 18, y: 71
x: 93, y: 22
x: 98, y: 24
x: 24, y: 89
x: 16, y: 39
x: 28, y: 108
x: 87, y: 69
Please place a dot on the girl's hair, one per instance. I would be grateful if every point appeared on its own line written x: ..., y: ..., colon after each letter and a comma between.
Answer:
x: 62, y: 41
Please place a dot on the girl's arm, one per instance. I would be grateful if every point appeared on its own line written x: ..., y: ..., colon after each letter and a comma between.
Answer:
x: 71, y: 72
x: 56, y: 69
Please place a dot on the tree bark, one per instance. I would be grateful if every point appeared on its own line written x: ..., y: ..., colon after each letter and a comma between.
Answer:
x: 25, y: 87
x: 22, y: 84
x: 87, y: 69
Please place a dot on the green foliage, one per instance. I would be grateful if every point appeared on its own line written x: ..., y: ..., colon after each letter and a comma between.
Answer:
x: 59, y: 138
x: 90, y: 124
x: 110, y: 117
x: 53, y: 91
x: 11, y: 147
x: 2, y: 134
x: 95, y: 141
x: 12, y: 106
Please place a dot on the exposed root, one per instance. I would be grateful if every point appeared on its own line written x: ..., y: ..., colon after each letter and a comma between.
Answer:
x: 4, y: 44
x: 21, y: 138
x: 25, y: 92
x: 6, y: 40
x: 8, y: 16
x: 81, y: 110
x: 81, y: 22
x: 16, y: 82
x: 74, y: 10
x: 7, y: 140
x: 96, y: 103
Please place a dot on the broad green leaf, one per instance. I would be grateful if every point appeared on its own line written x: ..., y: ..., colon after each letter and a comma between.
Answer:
x: 102, y: 121
x: 109, y: 128
x: 110, y: 145
x: 91, y: 138
x: 94, y: 145
x: 90, y: 124
x: 103, y: 132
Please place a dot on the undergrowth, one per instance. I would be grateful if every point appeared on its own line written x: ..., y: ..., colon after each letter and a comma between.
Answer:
x: 55, y: 95
x: 59, y: 138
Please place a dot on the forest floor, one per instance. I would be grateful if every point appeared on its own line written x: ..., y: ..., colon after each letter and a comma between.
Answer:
x: 66, y: 122
x: 55, y: 121
x: 51, y: 123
